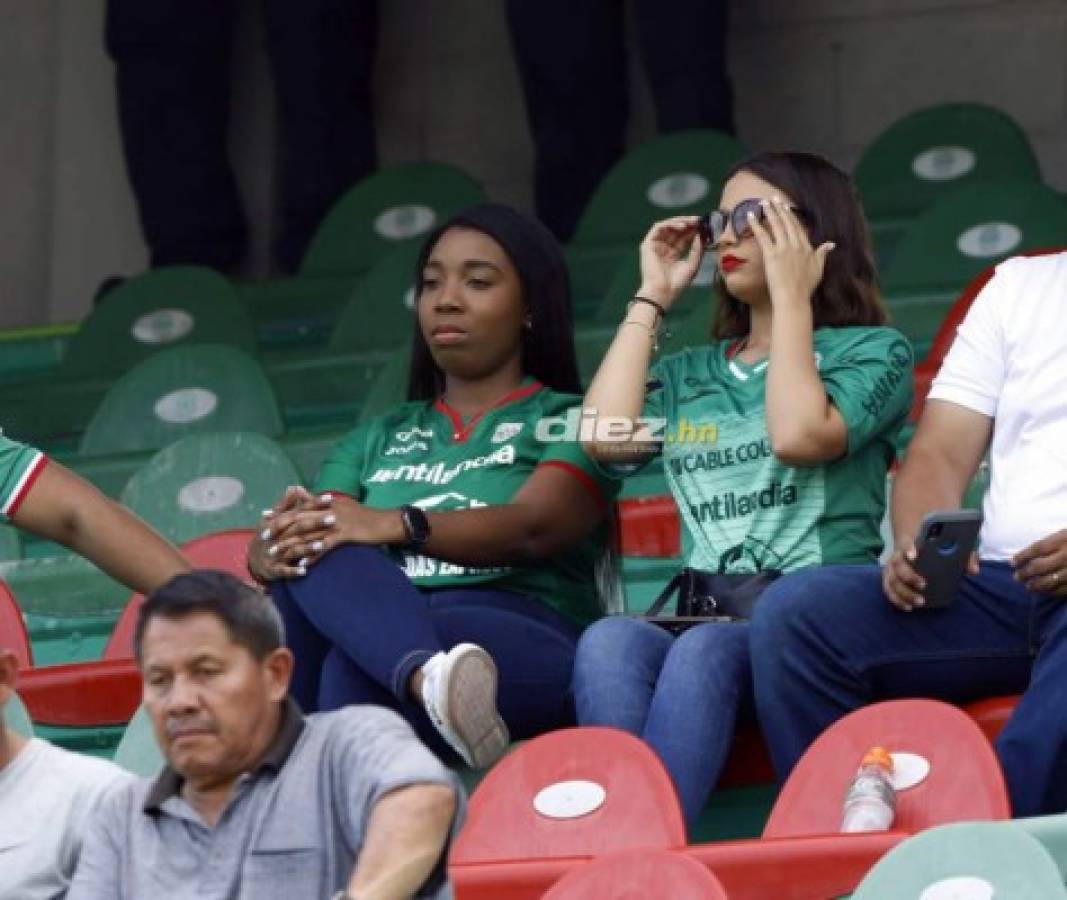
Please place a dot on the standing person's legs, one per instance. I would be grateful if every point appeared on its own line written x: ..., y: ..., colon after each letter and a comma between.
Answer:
x: 824, y: 641
x: 572, y: 61
x: 685, y: 55
x: 322, y: 53
x: 172, y: 60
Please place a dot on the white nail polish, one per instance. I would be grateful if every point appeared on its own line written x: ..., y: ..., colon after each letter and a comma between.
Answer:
x: 267, y: 513
x: 264, y: 535
x: 329, y: 519
x: 303, y: 563
x: 328, y: 498
x: 317, y: 546
x: 271, y: 551
x: 301, y: 572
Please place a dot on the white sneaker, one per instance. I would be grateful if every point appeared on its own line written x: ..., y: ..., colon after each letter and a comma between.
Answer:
x: 459, y: 693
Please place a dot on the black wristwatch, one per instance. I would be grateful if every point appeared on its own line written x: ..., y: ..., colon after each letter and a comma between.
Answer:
x: 416, y: 525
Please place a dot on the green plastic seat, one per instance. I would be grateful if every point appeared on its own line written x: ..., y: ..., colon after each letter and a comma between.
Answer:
x: 380, y: 312
x: 10, y: 543
x: 308, y: 449
x: 935, y: 150
x: 16, y: 717
x: 210, y: 482
x: 299, y: 311
x: 155, y: 311
x: 644, y: 578
x: 674, y: 174
x: 187, y: 390
x: 1051, y: 831
x: 69, y: 606
x: 969, y: 861
x: 393, y: 205
x: 970, y: 229
x: 322, y: 389
x: 137, y: 751
x: 391, y: 386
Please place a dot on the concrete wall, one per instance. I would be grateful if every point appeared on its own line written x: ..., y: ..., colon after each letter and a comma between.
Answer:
x: 827, y: 75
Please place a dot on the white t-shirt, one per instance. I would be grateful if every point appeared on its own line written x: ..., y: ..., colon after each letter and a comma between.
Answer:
x: 1009, y: 362
x: 46, y: 795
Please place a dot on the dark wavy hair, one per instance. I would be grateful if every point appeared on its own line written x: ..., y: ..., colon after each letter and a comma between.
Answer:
x: 548, y: 346
x: 848, y: 293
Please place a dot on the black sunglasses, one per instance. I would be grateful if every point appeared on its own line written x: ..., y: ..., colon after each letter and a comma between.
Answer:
x: 713, y: 224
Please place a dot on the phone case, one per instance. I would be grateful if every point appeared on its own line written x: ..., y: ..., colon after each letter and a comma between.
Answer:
x: 946, y: 540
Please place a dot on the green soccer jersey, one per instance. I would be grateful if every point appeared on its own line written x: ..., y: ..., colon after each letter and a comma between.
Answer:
x: 425, y: 454
x: 742, y: 509
x: 19, y: 467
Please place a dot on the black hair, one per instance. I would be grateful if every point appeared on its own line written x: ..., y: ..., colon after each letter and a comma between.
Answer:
x: 548, y: 346
x: 848, y: 293
x: 250, y: 617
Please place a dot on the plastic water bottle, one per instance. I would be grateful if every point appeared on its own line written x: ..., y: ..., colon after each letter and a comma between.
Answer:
x: 871, y: 801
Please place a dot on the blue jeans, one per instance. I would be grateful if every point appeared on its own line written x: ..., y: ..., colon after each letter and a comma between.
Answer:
x: 682, y: 695
x: 825, y: 641
x: 359, y: 629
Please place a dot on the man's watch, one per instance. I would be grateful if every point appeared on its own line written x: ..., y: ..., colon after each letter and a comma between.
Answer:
x: 416, y: 527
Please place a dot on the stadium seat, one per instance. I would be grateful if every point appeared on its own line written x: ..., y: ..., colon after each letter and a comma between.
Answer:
x: 390, y: 388
x: 210, y: 482
x: 562, y: 797
x: 1051, y: 831
x: 308, y: 449
x: 10, y: 544
x: 964, y: 780
x: 224, y: 550
x: 13, y: 634
x: 137, y: 751
x: 392, y: 205
x: 649, y: 526
x: 188, y: 390
x: 698, y: 299
x: 932, y: 151
x: 155, y: 311
x: 639, y: 873
x: 16, y: 718
x: 380, y: 312
x: 927, y: 368
x: 962, y: 861
x: 671, y: 175
x: 963, y: 233
x: 84, y: 695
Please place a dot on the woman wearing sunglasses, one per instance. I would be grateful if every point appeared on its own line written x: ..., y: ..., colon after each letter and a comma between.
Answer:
x: 776, y: 440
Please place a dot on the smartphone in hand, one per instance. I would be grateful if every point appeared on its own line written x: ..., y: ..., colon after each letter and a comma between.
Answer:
x: 946, y: 540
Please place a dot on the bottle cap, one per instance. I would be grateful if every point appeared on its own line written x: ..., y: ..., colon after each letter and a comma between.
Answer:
x: 878, y: 756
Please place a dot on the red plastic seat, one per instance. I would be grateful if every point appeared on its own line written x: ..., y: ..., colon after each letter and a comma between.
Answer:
x: 992, y: 715
x: 927, y: 369
x: 82, y: 694
x: 225, y: 550
x: 965, y: 779
x: 507, y: 849
x: 637, y: 874
x: 649, y: 526
x: 13, y: 634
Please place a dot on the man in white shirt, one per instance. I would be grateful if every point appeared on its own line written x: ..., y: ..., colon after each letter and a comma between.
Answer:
x: 46, y: 795
x: 825, y: 641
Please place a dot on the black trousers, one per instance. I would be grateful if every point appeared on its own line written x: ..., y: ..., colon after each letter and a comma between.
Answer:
x: 571, y: 56
x: 172, y: 67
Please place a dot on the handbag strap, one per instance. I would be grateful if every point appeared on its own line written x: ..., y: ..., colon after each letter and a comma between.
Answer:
x: 672, y: 587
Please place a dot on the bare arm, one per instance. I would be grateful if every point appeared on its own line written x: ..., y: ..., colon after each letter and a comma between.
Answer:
x: 551, y: 512
x: 406, y: 835
x: 942, y: 458
x: 670, y: 256
x: 804, y: 427
x: 67, y: 509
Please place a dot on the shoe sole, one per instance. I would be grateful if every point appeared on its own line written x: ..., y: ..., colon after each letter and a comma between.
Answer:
x: 472, y: 710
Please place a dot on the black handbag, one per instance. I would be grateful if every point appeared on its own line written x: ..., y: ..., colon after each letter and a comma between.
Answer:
x: 708, y: 597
